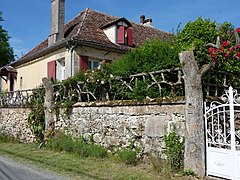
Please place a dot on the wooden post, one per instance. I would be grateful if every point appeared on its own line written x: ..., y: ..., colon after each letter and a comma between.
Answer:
x: 194, y: 154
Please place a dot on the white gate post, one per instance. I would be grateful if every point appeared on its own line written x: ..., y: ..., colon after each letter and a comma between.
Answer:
x: 232, y: 129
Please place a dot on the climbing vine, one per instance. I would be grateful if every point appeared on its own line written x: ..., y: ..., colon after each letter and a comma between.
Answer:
x: 36, y: 118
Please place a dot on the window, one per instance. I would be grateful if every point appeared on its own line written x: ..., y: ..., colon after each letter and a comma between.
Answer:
x: 125, y: 35
x: 56, y: 69
x: 92, y: 64
x: 61, y: 74
x: 88, y: 63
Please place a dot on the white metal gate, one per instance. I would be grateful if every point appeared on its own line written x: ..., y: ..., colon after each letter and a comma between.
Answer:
x: 222, y: 125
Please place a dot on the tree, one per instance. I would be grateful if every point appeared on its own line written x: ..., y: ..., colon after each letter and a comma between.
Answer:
x: 196, y: 34
x: 151, y: 56
x: 6, y: 51
x: 196, y: 63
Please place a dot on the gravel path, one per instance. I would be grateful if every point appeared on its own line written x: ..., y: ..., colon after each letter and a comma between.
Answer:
x: 13, y: 170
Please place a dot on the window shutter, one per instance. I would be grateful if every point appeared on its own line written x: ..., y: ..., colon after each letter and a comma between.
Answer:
x: 130, y: 36
x: 120, y: 36
x: 83, y: 62
x: 51, y: 69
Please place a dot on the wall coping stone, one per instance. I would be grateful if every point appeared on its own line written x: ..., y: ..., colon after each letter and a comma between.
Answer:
x: 154, y: 101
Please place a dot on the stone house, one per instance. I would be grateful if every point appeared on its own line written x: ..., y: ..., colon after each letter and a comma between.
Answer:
x: 82, y: 43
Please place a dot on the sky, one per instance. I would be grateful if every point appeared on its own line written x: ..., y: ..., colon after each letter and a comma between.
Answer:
x: 28, y: 21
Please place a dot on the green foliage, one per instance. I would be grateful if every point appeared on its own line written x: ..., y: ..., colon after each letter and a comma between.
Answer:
x: 7, y: 139
x: 6, y: 51
x: 153, y: 55
x: 227, y: 56
x: 66, y: 143
x: 174, y: 149
x: 195, y: 35
x: 127, y: 156
x: 36, y: 118
x: 188, y: 172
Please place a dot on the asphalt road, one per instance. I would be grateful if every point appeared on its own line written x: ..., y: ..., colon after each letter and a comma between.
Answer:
x: 12, y: 170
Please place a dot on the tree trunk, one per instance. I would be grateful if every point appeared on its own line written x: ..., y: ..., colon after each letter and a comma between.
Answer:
x: 48, y: 103
x: 194, y: 154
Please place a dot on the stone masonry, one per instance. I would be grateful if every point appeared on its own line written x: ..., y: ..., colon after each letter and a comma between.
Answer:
x: 141, y: 126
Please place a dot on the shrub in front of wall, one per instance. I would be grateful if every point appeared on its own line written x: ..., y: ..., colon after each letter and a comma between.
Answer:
x: 152, y: 56
x: 66, y: 143
x: 7, y: 139
x: 174, y: 149
x: 97, y: 151
x: 127, y: 156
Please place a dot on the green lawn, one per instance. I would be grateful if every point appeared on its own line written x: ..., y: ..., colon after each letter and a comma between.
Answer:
x: 76, y: 167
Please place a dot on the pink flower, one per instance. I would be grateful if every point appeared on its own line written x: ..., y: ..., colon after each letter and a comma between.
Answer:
x: 238, y: 46
x: 221, y: 49
x: 211, y: 49
x: 238, y: 54
x: 213, y: 55
x: 226, y: 55
x: 231, y: 49
x: 238, y: 30
x: 225, y: 43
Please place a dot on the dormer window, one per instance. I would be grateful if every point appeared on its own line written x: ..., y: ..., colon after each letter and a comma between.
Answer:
x: 119, y: 32
x: 124, y: 35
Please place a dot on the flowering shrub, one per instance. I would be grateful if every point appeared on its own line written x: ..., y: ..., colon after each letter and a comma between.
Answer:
x: 227, y: 60
x: 228, y: 49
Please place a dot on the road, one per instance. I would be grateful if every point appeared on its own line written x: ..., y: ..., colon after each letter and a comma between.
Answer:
x: 13, y: 170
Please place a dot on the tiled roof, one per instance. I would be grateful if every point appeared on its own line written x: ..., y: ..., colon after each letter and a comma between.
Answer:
x: 86, y: 27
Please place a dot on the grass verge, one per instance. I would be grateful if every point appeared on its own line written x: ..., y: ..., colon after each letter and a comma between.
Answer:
x: 73, y: 166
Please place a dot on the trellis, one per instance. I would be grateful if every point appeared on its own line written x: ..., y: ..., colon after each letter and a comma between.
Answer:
x: 172, y: 78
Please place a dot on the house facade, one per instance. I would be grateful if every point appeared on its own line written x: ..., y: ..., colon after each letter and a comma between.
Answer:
x: 83, y: 43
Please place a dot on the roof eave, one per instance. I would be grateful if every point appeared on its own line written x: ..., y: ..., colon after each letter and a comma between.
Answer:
x: 40, y: 53
x: 63, y: 44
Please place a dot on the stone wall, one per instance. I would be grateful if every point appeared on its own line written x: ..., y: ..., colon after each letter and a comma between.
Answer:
x: 119, y: 125
x: 13, y: 122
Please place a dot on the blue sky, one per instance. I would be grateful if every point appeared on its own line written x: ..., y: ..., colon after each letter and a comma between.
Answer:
x: 28, y: 21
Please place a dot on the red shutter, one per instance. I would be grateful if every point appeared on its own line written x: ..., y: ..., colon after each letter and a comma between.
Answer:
x: 51, y: 69
x: 83, y: 62
x: 130, y: 36
x: 120, y: 36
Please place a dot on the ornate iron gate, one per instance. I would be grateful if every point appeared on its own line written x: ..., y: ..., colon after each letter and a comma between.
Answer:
x: 222, y: 126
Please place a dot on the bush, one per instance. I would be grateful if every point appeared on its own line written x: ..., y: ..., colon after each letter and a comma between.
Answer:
x: 6, y: 139
x: 127, y: 156
x: 174, y: 149
x: 67, y: 143
x: 153, y: 55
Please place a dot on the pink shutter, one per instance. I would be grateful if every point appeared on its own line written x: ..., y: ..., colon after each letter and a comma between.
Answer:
x: 120, y: 36
x: 130, y: 36
x: 51, y: 69
x: 83, y: 62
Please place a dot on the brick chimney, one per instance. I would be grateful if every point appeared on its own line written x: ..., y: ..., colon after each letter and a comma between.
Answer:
x: 57, y: 21
x: 146, y: 22
x: 142, y: 19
